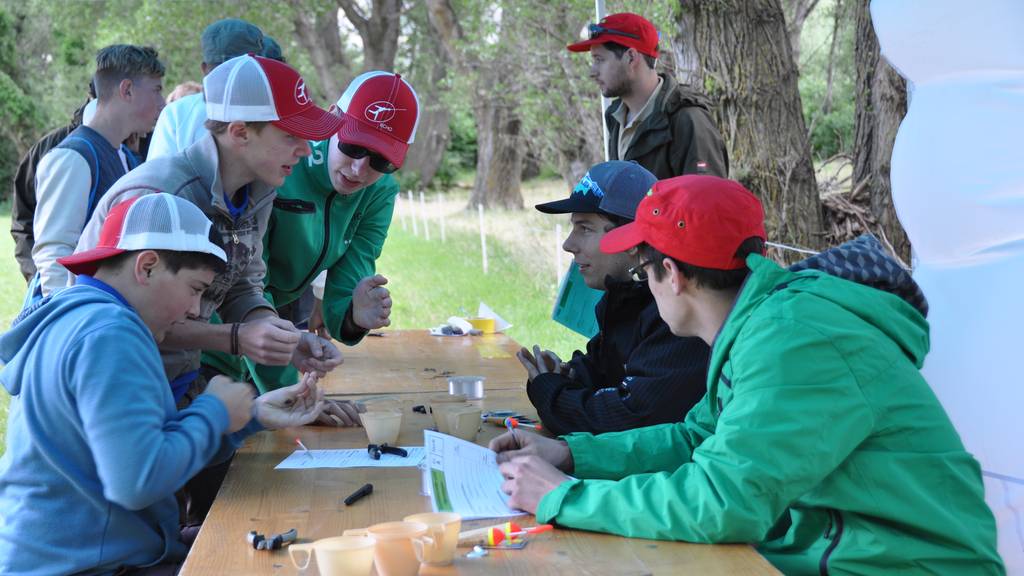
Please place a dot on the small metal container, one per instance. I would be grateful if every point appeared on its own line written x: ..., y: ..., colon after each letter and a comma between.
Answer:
x: 471, y: 386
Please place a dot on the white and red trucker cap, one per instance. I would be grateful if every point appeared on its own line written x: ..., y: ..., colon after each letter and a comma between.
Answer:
x: 151, y: 222
x: 381, y: 112
x: 256, y: 89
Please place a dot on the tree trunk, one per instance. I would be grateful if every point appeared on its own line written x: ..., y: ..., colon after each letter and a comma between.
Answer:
x: 797, y: 12
x: 318, y: 34
x: 499, y: 146
x: 749, y: 72
x: 499, y: 155
x: 881, y: 105
x: 378, y: 31
x: 433, y: 133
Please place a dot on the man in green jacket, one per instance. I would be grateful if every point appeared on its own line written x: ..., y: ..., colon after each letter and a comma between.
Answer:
x: 332, y: 215
x: 818, y: 440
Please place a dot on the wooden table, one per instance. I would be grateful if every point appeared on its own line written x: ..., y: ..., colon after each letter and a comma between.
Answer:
x: 257, y: 497
x: 414, y: 361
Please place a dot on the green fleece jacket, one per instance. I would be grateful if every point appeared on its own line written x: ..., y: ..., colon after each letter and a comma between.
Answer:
x: 818, y: 441
x: 313, y: 228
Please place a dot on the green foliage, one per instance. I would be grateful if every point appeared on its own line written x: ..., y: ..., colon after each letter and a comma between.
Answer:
x: 831, y: 131
x: 461, y: 153
x: 12, y: 289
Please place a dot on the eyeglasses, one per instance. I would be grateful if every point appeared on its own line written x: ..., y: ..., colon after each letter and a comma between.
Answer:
x: 639, y: 272
x: 377, y: 162
x: 596, y: 30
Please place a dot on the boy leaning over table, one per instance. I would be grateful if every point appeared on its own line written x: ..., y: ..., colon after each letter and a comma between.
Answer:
x: 818, y: 441
x: 95, y: 445
x: 331, y: 218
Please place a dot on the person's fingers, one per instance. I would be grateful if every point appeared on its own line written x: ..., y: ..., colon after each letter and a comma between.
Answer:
x: 386, y: 303
x: 336, y: 408
x: 351, y: 411
x: 316, y: 347
x: 379, y: 280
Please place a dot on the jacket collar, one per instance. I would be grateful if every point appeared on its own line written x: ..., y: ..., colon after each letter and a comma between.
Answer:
x: 204, y: 158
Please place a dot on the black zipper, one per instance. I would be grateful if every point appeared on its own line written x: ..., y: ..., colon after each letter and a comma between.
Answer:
x: 327, y: 242
x: 836, y: 520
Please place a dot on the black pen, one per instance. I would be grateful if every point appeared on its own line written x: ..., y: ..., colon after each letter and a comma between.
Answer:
x: 366, y: 490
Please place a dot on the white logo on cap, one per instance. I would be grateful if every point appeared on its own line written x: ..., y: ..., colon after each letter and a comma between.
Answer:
x: 381, y: 111
x: 300, y: 93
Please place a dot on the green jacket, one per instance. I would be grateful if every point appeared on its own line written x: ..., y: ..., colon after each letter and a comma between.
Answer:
x: 818, y: 441
x: 313, y: 228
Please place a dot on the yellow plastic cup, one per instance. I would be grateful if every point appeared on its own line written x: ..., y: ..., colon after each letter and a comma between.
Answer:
x: 485, y: 325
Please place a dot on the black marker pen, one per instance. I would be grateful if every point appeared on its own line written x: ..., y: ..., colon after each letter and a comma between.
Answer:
x: 366, y: 490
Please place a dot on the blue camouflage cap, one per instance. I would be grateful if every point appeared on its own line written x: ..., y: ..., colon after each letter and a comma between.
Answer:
x: 615, y: 187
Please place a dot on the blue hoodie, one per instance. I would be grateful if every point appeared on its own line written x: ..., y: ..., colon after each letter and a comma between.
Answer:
x: 95, y: 447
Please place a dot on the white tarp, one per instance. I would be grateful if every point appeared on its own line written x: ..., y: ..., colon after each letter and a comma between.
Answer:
x: 958, y: 187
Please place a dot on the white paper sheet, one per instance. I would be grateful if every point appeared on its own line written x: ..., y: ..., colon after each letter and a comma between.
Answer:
x: 465, y: 478
x: 358, y: 458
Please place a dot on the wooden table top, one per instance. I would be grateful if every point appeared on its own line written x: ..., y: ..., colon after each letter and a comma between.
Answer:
x: 254, y: 496
x: 412, y: 361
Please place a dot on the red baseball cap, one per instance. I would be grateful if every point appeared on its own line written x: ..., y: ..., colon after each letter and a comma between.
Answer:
x: 625, y: 28
x: 697, y: 219
x: 381, y: 112
x: 256, y: 89
x: 158, y: 221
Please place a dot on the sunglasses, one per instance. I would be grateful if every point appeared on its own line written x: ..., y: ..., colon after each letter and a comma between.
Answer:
x: 639, y: 272
x: 596, y: 30
x: 377, y: 162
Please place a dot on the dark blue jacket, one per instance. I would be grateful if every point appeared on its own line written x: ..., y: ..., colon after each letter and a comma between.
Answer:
x: 634, y: 373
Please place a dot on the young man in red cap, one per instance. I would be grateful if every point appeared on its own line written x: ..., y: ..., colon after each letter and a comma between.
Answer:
x: 95, y: 445
x: 665, y: 126
x: 331, y: 218
x: 260, y: 117
x: 818, y: 440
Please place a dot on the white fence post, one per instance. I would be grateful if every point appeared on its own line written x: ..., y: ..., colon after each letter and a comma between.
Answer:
x: 440, y: 211
x: 423, y: 214
x: 412, y: 213
x: 483, y: 236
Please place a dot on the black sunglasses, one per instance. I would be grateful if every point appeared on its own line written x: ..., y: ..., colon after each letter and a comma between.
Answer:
x: 377, y: 162
x: 639, y: 272
x: 597, y: 30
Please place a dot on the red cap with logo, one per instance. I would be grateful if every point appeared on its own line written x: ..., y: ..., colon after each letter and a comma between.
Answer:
x: 625, y: 28
x: 256, y: 89
x: 381, y: 112
x: 696, y: 219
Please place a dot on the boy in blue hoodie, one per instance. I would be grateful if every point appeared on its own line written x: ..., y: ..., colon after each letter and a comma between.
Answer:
x: 95, y: 446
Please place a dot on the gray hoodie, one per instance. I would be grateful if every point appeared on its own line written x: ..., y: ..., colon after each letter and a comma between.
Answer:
x: 194, y: 174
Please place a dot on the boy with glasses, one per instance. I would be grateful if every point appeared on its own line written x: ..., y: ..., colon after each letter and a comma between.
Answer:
x: 634, y: 372
x: 331, y: 218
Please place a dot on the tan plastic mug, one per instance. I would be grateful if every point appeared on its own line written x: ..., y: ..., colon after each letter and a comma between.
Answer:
x: 399, y: 546
x: 382, y: 427
x: 337, y: 556
x: 444, y: 528
x: 464, y: 423
x: 440, y: 413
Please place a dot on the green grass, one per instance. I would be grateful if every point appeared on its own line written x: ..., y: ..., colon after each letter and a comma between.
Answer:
x: 430, y: 281
x: 12, y: 291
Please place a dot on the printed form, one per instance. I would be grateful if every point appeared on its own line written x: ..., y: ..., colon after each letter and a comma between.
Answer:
x: 301, y: 459
x: 465, y: 478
